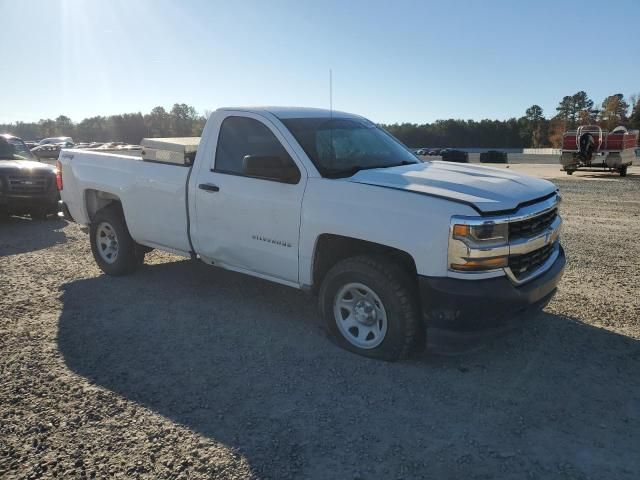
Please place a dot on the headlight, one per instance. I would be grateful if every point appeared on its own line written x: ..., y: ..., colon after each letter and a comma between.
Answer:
x: 483, y: 233
x: 477, y: 247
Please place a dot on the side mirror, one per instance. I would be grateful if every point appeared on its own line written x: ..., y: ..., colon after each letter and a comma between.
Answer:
x: 271, y: 167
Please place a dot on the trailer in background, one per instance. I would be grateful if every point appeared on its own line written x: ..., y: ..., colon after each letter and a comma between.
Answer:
x: 591, y: 148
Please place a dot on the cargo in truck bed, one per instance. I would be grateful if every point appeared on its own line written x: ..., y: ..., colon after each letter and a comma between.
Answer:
x: 178, y: 150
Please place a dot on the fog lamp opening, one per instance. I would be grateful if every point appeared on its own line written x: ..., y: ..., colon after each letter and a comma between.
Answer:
x: 480, y: 264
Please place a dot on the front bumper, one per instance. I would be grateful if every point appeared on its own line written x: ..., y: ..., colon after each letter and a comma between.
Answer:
x: 460, y: 314
x: 14, y: 203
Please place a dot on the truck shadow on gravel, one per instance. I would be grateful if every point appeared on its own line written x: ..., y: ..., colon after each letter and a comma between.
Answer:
x: 244, y: 362
x: 23, y: 234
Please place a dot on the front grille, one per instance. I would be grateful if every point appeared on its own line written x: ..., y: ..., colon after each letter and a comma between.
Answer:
x: 27, y: 183
x: 532, y: 226
x: 522, y: 265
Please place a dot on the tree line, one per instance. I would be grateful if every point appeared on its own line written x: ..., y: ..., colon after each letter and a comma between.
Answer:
x: 181, y: 121
x: 533, y: 129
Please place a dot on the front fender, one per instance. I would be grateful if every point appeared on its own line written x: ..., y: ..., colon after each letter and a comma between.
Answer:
x: 407, y: 221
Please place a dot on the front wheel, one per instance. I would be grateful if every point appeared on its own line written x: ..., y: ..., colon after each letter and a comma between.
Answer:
x: 115, y: 252
x: 369, y: 307
x: 42, y: 213
x: 39, y: 214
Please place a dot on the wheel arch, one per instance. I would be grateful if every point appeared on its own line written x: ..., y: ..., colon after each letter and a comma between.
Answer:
x: 95, y: 200
x: 331, y: 248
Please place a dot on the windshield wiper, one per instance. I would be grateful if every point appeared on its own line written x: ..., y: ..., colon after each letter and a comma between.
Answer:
x: 348, y: 172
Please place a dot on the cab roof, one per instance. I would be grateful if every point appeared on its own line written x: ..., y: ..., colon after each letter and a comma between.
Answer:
x: 7, y: 136
x: 296, y: 112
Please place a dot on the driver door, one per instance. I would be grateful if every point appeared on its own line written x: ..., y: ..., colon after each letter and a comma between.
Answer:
x: 247, y: 218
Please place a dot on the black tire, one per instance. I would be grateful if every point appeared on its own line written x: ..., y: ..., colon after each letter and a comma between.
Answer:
x: 39, y: 214
x: 623, y: 171
x: 397, y: 293
x: 129, y: 254
x: 569, y: 172
x: 42, y: 213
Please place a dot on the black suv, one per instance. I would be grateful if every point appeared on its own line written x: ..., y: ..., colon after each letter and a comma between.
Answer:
x: 26, y: 186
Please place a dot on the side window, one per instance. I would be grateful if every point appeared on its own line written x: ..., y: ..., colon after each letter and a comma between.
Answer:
x: 247, y: 147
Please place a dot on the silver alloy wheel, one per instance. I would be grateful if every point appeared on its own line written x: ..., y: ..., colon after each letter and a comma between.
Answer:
x: 360, y: 315
x: 107, y: 242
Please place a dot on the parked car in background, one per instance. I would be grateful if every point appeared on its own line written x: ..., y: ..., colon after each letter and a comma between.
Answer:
x: 26, y: 186
x: 422, y: 151
x: 130, y: 147
x: 453, y: 155
x: 493, y: 156
x: 434, y: 152
x: 107, y: 146
x: 47, y: 151
x: 56, y: 140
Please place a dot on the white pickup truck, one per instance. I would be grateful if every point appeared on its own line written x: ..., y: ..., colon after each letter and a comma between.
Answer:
x: 401, y: 253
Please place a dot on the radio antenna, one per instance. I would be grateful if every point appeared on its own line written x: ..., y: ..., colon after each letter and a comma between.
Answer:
x: 332, y: 149
x: 331, y: 93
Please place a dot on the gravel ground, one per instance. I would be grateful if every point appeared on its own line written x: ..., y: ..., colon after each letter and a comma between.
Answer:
x: 185, y: 371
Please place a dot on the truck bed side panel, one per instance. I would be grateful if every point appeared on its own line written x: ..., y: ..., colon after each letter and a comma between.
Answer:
x: 152, y: 194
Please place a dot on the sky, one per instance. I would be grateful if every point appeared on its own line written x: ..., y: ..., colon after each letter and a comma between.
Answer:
x: 391, y: 61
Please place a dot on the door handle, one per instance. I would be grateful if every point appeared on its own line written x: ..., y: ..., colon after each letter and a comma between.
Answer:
x: 209, y: 187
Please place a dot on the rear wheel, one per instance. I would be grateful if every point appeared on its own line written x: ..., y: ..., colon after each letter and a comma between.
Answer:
x: 115, y: 252
x: 623, y: 171
x: 369, y: 306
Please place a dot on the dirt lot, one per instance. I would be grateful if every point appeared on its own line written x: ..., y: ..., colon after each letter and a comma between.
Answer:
x: 184, y: 371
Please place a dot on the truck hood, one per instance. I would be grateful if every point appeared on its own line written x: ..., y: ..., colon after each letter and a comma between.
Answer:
x: 25, y: 166
x: 485, y: 189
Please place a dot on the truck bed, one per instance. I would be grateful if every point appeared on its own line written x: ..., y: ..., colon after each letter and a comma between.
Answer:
x: 153, y: 195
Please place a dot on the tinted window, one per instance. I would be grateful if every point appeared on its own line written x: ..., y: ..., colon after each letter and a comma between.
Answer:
x: 20, y: 148
x: 6, y: 150
x: 242, y: 136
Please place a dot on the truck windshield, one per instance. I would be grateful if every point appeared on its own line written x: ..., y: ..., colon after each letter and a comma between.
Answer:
x: 341, y: 147
x: 14, y: 149
x: 20, y: 149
